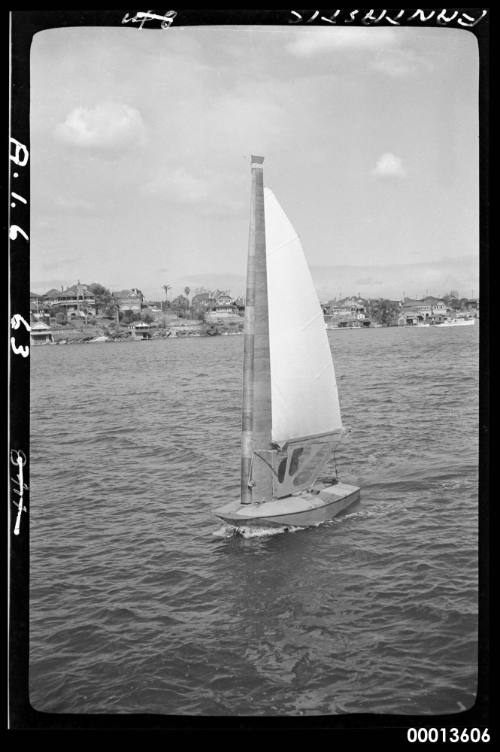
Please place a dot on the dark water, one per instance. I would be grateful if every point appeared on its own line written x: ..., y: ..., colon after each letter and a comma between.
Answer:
x: 141, y: 601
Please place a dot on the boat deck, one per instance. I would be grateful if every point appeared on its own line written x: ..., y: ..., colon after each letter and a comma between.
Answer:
x: 301, y: 510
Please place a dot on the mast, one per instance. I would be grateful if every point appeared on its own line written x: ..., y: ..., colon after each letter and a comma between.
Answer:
x: 256, y: 456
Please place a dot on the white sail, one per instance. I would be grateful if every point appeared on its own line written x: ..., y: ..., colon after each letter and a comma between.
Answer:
x: 304, y: 391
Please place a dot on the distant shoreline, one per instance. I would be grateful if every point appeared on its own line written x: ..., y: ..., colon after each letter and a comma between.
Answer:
x: 107, y: 339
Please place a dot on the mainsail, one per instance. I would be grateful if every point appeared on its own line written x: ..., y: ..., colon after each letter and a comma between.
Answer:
x: 305, y: 401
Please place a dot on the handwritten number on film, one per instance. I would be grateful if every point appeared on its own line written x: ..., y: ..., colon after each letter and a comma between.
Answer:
x: 18, y: 459
x: 19, y: 155
x: 141, y: 17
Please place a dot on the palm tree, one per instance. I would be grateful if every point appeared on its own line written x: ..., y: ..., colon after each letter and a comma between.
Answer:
x: 187, y: 290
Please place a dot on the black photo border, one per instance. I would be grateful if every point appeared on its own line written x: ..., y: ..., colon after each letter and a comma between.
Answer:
x: 360, y: 727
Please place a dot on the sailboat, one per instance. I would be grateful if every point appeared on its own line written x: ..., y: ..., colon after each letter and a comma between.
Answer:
x: 291, y: 422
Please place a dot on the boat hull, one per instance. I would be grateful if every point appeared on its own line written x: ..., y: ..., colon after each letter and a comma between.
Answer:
x: 303, y: 510
x: 457, y: 322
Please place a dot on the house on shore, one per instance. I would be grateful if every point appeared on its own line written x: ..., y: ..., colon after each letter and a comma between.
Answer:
x: 141, y: 330
x: 41, y: 334
x: 347, y: 312
x: 129, y: 300
x: 75, y: 301
x: 224, y: 314
x: 429, y: 310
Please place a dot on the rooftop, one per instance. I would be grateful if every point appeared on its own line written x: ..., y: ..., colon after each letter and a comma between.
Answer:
x: 125, y: 294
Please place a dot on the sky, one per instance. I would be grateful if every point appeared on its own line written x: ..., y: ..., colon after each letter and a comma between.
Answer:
x: 141, y: 142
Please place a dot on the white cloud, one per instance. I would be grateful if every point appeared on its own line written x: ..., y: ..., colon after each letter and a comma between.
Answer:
x: 309, y: 42
x: 208, y: 140
x: 400, y: 63
x: 388, y: 165
x: 108, y: 126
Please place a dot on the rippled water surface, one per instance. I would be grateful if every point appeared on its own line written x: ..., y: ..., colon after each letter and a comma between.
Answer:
x: 141, y: 601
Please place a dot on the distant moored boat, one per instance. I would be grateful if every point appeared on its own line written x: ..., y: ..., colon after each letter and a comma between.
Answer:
x: 457, y: 322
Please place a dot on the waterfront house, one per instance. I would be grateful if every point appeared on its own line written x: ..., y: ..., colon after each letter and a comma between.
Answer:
x: 76, y: 300
x: 141, y: 330
x: 351, y: 308
x: 346, y: 312
x: 428, y: 310
x: 223, y: 307
x: 437, y: 306
x: 224, y: 314
x: 41, y: 334
x: 224, y: 302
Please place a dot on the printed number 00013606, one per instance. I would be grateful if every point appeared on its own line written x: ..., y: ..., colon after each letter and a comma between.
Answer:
x: 448, y: 735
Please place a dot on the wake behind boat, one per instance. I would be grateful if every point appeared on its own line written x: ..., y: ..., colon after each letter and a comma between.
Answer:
x: 291, y: 422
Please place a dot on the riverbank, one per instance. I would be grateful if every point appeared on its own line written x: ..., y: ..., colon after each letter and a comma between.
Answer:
x: 43, y: 334
x: 95, y: 334
x: 103, y: 339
